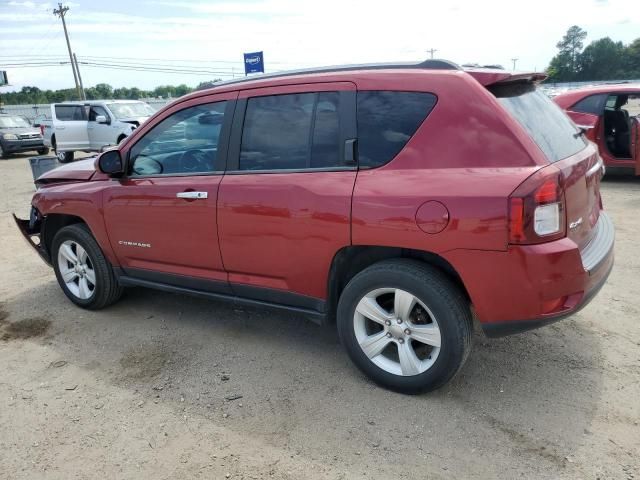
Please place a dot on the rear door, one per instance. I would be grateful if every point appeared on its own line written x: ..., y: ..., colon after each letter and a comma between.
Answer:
x: 70, y: 127
x: 284, y: 206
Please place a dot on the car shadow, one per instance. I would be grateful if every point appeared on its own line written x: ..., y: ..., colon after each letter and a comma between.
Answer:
x: 535, y: 393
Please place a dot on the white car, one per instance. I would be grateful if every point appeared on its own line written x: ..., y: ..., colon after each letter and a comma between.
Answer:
x: 89, y: 126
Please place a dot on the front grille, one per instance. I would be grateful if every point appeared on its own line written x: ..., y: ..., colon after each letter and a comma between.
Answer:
x: 27, y: 136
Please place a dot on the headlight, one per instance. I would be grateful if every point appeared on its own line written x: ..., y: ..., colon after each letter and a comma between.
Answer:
x: 9, y: 136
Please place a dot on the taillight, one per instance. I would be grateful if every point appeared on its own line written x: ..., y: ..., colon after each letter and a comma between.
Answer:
x: 537, y: 209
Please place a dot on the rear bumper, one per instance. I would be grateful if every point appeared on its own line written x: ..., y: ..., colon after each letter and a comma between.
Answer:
x: 31, y: 231
x: 530, y: 286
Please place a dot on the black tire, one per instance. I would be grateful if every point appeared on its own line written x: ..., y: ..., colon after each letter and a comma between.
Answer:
x: 3, y: 152
x: 121, y: 138
x: 107, y: 290
x: 438, y: 293
x: 63, y: 157
x: 43, y: 151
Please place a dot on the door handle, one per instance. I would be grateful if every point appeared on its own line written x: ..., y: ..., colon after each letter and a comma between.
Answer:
x: 192, y: 195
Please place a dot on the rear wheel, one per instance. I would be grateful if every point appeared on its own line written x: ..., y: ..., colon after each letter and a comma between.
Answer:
x: 43, y: 151
x: 3, y: 153
x: 82, y: 270
x: 405, y: 325
x: 63, y: 157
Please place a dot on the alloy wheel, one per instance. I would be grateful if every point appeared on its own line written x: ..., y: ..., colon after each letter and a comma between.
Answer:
x: 76, y: 269
x: 397, y: 331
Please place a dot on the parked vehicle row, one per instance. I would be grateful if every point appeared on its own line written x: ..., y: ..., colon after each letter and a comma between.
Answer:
x: 91, y: 126
x: 394, y: 200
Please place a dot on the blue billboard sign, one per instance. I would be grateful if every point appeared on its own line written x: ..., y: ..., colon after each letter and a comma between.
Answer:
x: 253, y: 63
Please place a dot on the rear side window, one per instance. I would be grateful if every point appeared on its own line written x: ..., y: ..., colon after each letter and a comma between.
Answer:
x: 593, y: 104
x: 386, y: 122
x: 70, y: 112
x: 551, y: 129
x: 296, y: 131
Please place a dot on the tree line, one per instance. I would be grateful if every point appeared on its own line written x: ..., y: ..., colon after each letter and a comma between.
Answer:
x: 102, y: 91
x: 602, y: 59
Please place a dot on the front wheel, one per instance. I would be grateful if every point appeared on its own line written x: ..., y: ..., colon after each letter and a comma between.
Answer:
x: 43, y: 151
x: 405, y: 325
x: 82, y: 270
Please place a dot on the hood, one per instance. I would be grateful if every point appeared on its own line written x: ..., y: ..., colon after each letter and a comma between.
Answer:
x: 20, y: 130
x: 137, y: 121
x: 81, y: 170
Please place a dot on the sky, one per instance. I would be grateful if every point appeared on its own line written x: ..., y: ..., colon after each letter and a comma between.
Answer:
x: 193, y: 41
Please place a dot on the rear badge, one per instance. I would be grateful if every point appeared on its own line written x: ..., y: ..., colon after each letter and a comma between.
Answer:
x: 134, y: 244
x: 576, y: 224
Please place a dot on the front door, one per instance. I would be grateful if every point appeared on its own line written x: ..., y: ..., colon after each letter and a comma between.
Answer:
x: 161, y: 217
x: 100, y: 134
x: 284, y: 206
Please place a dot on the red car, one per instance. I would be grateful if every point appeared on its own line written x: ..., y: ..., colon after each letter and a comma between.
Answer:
x: 399, y: 201
x: 610, y: 114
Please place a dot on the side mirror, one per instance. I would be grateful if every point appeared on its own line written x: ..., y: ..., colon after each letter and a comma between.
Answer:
x: 111, y: 163
x: 102, y: 119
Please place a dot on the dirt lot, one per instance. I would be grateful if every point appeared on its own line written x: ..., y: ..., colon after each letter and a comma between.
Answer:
x: 146, y: 389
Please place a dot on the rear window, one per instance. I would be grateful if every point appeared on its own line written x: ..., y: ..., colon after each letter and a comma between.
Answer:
x: 386, y: 122
x: 551, y: 129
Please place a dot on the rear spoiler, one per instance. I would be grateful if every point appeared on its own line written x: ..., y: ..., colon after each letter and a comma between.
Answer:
x: 490, y: 76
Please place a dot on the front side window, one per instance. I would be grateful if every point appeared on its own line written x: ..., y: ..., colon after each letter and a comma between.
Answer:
x: 296, y: 131
x: 386, y: 122
x: 185, y: 142
x: 95, y: 112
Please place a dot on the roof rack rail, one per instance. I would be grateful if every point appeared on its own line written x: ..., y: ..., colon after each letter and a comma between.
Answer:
x: 430, y: 64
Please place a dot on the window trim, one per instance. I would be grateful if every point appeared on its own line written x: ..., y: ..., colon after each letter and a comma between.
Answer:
x: 223, y: 144
x: 346, y: 126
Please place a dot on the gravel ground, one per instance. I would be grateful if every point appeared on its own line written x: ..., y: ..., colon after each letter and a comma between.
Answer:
x: 167, y: 386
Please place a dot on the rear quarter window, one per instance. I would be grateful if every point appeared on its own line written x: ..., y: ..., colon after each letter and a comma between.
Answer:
x: 386, y: 122
x: 547, y: 124
x: 593, y: 104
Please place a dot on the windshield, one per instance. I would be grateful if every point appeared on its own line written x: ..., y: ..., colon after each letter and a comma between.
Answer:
x: 131, y: 110
x: 13, y: 122
x: 551, y: 129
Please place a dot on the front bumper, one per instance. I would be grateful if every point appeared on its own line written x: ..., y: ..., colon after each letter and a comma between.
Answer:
x: 16, y: 146
x: 533, y: 285
x: 32, y: 231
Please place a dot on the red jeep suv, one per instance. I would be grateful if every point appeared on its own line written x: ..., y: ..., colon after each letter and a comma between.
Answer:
x: 399, y: 201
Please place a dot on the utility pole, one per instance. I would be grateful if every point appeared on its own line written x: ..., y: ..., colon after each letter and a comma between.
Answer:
x: 61, y: 12
x: 432, y: 51
x: 75, y: 61
x: 514, y: 60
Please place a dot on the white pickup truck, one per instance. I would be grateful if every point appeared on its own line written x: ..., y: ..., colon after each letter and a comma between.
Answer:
x: 89, y: 126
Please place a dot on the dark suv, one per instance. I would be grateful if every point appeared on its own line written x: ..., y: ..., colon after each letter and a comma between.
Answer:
x: 398, y: 200
x: 17, y: 135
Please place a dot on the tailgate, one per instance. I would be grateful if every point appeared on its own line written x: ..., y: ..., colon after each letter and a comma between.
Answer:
x: 581, y: 175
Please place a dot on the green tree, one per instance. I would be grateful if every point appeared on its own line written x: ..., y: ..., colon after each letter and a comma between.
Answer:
x: 632, y: 60
x: 565, y: 64
x: 603, y: 59
x: 104, y: 91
